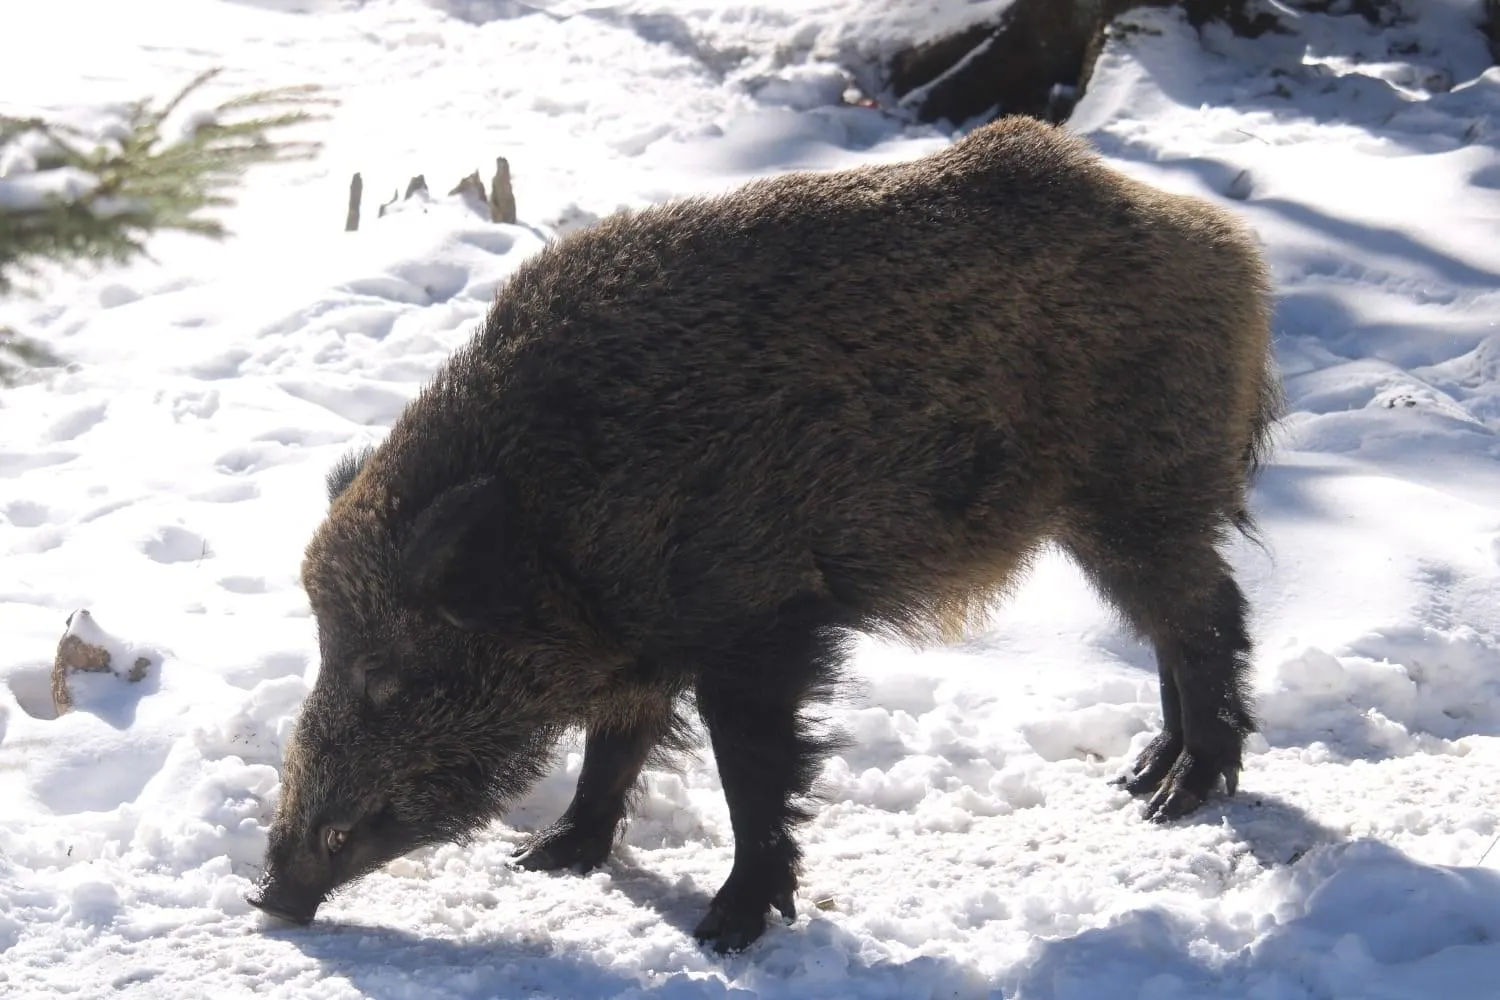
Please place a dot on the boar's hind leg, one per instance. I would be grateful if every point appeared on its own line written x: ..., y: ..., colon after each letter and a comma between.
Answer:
x: 613, y: 756
x: 1177, y: 591
x: 750, y: 701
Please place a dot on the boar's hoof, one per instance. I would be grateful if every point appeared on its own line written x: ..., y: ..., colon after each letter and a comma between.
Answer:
x: 1189, y: 783
x: 566, y: 846
x: 1180, y: 779
x: 734, y: 924
x: 1151, y: 767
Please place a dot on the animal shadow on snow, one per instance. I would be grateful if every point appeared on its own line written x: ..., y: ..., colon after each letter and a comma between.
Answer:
x: 384, y: 963
x: 1274, y: 831
x: 677, y: 907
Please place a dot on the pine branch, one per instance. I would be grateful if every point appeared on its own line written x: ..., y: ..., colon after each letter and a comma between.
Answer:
x: 142, y: 182
x: 19, y: 353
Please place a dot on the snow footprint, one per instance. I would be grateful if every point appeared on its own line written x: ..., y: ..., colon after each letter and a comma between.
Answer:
x: 172, y: 544
x: 361, y: 403
x: 231, y: 492
x: 27, y: 514
x: 419, y: 283
x: 76, y: 424
x: 14, y: 464
x: 194, y: 405
x: 45, y: 523
x: 252, y: 458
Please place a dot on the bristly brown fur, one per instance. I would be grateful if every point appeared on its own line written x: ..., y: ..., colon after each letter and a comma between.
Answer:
x: 694, y: 447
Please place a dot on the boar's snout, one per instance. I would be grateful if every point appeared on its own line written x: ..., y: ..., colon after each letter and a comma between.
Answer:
x: 273, y: 897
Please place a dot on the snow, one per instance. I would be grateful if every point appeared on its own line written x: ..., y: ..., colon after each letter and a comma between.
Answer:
x: 970, y: 845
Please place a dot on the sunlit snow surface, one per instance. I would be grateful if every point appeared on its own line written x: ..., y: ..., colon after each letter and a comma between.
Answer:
x: 970, y: 845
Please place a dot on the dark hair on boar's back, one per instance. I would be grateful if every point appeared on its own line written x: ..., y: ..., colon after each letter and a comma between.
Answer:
x: 694, y: 448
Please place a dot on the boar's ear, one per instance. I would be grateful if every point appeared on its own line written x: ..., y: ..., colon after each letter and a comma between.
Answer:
x: 341, y: 475
x: 449, y: 557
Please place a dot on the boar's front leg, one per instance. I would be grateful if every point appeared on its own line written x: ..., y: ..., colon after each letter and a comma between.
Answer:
x: 766, y: 755
x: 613, y: 756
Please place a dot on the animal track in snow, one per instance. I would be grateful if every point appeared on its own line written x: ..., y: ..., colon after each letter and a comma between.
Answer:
x: 373, y: 321
x: 235, y: 491
x: 105, y: 508
x: 27, y: 514
x: 200, y: 404
x: 270, y: 667
x: 244, y: 584
x: 172, y: 544
x: 226, y: 365
x: 15, y: 463
x: 77, y: 423
x: 417, y: 282
x: 44, y: 539
x: 104, y: 782
x: 364, y: 404
x: 251, y: 458
x: 113, y: 296
x: 301, y: 437
x: 493, y: 241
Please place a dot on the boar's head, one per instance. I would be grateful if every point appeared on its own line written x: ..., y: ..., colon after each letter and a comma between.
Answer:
x: 414, y: 732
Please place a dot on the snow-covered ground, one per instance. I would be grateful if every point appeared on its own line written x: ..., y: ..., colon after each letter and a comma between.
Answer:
x: 970, y: 845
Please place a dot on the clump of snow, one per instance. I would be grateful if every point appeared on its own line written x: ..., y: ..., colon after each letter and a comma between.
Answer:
x: 21, y: 191
x: 968, y: 844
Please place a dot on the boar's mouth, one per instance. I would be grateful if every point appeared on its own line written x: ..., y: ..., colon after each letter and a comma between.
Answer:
x: 274, y: 898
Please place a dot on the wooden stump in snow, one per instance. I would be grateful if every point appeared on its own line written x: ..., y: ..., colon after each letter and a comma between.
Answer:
x: 499, y: 205
x: 471, y: 190
x: 356, y: 190
x: 502, y: 198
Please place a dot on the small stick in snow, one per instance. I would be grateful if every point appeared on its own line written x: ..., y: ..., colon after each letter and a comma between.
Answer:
x: 1487, y: 851
x: 356, y: 190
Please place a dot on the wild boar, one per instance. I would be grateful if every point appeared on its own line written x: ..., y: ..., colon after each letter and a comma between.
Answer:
x: 694, y: 448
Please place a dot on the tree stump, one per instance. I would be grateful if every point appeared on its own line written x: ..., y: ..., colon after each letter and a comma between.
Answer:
x: 502, y: 198
x: 471, y: 190
x: 82, y: 650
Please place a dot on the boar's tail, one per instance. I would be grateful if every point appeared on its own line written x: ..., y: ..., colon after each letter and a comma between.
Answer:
x: 1270, y: 405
